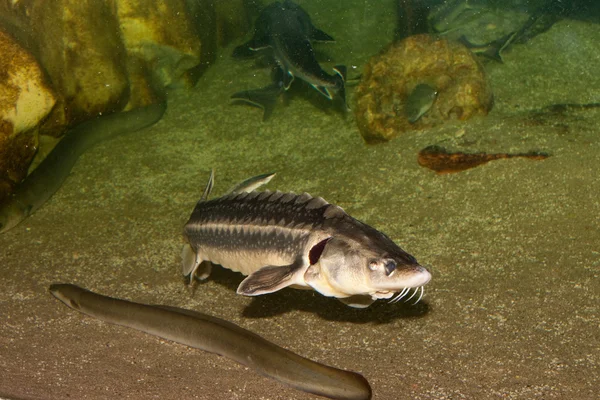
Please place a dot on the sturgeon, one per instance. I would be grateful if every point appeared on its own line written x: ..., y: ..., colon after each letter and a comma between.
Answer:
x: 284, y: 240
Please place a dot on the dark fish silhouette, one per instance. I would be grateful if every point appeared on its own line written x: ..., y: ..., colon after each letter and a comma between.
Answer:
x: 442, y: 161
x: 284, y: 32
x: 542, y: 19
x: 266, y: 21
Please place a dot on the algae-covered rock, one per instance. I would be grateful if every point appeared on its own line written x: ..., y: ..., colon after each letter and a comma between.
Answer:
x: 78, y: 43
x: 391, y: 78
x: 163, y: 34
x: 25, y: 100
x: 99, y: 57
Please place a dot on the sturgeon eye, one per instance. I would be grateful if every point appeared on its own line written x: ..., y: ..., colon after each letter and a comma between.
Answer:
x: 390, y: 266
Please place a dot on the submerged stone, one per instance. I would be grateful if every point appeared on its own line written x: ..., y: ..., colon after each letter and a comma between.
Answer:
x: 383, y: 107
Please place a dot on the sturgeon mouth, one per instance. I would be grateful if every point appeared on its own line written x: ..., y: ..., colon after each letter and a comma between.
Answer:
x: 413, y: 286
x: 420, y: 276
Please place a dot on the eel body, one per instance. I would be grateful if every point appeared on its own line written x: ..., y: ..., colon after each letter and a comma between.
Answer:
x: 49, y: 176
x: 221, y: 337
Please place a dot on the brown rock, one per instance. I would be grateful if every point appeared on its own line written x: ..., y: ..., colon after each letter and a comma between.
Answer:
x: 99, y: 56
x: 391, y: 76
x: 164, y: 34
x: 79, y: 45
x: 25, y: 100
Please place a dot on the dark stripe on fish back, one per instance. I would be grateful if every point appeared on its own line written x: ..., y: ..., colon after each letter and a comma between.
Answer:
x: 258, y: 220
x: 264, y: 209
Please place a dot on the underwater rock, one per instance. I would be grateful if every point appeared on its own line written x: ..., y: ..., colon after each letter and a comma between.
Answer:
x: 104, y: 56
x: 165, y: 35
x: 389, y: 79
x: 78, y: 44
x: 25, y: 100
x: 99, y: 57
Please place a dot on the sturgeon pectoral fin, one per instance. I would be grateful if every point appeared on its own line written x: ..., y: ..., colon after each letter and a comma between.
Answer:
x: 288, y: 78
x: 188, y: 260
x: 270, y: 279
x: 265, y: 98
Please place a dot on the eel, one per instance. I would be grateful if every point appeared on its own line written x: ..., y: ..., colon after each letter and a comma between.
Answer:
x: 48, y: 177
x: 221, y: 337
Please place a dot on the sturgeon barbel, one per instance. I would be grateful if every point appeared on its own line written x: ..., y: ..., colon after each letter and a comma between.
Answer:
x: 283, y: 239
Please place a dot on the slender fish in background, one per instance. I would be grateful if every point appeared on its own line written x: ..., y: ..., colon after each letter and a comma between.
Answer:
x: 221, y: 337
x: 443, y: 161
x: 285, y: 33
x: 48, y: 177
x: 284, y: 239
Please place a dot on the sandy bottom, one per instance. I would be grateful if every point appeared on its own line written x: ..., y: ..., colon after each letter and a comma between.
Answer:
x: 514, y: 246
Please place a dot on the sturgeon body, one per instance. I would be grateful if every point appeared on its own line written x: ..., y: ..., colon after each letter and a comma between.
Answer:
x: 283, y: 239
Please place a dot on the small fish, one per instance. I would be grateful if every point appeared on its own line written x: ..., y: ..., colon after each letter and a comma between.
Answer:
x: 218, y: 336
x: 285, y: 32
x: 442, y: 161
x: 284, y: 239
x: 419, y: 102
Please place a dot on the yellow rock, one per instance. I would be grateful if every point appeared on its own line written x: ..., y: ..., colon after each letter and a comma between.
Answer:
x: 78, y: 42
x: 163, y: 33
x: 98, y: 57
x: 25, y: 100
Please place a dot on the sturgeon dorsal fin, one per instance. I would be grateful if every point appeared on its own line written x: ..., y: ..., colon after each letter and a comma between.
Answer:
x: 250, y: 184
x: 209, y: 186
x: 270, y: 279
